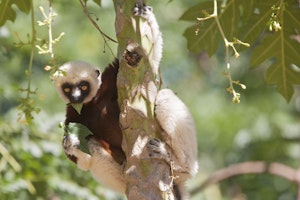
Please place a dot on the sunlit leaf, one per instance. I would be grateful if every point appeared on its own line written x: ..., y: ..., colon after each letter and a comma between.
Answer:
x: 197, y: 11
x: 208, y: 36
x: 7, y: 13
x: 254, y: 19
x: 284, y: 50
x: 230, y: 19
x: 250, y: 22
x: 207, y: 39
x: 23, y: 5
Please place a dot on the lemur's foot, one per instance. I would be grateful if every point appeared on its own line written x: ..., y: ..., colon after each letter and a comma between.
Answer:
x: 141, y: 10
x: 70, y: 144
x: 157, y: 149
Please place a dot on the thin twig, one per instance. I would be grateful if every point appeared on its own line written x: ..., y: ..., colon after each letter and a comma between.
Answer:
x: 26, y: 103
x: 50, y: 29
x: 32, y: 51
x: 227, y: 44
x: 105, y: 36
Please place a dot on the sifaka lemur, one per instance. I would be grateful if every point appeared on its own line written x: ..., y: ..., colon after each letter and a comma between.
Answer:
x: 83, y: 84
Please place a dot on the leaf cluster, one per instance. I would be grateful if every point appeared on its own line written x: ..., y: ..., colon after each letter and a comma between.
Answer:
x: 7, y: 13
x: 270, y: 27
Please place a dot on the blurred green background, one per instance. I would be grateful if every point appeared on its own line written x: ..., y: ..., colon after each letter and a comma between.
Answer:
x: 263, y: 127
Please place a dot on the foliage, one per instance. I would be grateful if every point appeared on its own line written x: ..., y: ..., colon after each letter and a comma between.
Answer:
x: 35, y: 170
x: 7, y: 12
x: 269, y: 26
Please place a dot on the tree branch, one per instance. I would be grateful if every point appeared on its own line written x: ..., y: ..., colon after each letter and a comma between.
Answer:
x: 104, y: 35
x: 258, y: 167
x: 137, y: 88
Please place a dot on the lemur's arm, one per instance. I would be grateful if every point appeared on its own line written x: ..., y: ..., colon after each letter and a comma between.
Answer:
x: 154, y: 34
x: 100, y: 163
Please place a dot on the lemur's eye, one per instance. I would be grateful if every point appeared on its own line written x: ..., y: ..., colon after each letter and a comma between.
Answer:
x: 84, y: 87
x: 67, y: 90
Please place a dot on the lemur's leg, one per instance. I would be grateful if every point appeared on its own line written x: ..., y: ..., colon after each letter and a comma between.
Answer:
x: 179, y: 133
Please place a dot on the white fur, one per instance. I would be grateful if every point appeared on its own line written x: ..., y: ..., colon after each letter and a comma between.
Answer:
x: 151, y: 30
x: 156, y: 39
x: 179, y: 134
x: 73, y: 72
x: 101, y: 164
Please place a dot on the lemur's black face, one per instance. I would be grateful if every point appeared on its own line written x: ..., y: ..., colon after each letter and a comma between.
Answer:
x: 76, y: 93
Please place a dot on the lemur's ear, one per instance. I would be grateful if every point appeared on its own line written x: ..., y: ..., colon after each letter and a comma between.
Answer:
x: 98, y: 72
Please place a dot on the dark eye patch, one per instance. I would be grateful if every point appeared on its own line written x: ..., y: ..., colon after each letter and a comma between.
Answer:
x: 84, y: 87
x: 67, y: 88
x: 75, y: 97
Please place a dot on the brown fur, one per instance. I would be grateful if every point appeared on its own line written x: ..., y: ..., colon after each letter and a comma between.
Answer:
x: 101, y: 115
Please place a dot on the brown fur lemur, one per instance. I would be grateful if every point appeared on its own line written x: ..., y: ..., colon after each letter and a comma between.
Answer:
x: 84, y: 84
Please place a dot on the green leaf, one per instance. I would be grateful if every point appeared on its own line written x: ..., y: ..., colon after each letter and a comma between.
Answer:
x: 97, y: 2
x: 247, y: 20
x: 197, y: 11
x: 23, y: 5
x: 284, y: 50
x: 7, y: 13
x: 230, y: 19
x: 81, y: 132
x: 254, y: 19
x: 208, y: 37
x: 284, y: 78
x: 77, y: 107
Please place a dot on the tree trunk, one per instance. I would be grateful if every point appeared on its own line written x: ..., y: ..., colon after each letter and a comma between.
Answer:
x: 137, y: 88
